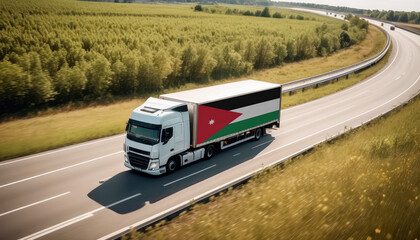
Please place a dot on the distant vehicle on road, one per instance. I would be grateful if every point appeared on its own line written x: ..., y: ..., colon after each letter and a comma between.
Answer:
x: 382, y: 24
x: 392, y: 27
x: 180, y: 128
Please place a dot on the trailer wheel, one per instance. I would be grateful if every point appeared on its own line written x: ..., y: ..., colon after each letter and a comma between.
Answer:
x: 171, y: 165
x: 258, y: 134
x: 210, y: 151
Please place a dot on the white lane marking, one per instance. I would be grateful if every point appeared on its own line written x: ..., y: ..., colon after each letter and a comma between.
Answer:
x: 322, y: 108
x: 237, y: 154
x: 33, y: 204
x: 304, y: 125
x: 313, y: 134
x: 56, y: 227
x: 351, y: 88
x: 59, y: 150
x: 397, y: 78
x: 259, y: 145
x: 73, y: 220
x: 167, y: 184
x: 57, y: 170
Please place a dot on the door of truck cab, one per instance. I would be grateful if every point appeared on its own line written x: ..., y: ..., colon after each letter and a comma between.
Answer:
x: 172, y: 141
x: 167, y: 143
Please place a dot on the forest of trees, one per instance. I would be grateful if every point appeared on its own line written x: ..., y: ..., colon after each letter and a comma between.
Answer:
x: 54, y: 53
x: 395, y: 16
x: 229, y: 11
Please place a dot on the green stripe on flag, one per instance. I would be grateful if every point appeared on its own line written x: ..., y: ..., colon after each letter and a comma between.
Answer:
x: 245, y: 124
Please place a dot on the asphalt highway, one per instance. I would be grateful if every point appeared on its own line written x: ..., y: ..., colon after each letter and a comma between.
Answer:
x: 85, y: 192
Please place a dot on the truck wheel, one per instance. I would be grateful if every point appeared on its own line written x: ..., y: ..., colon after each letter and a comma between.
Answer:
x: 172, y: 165
x: 210, y: 150
x: 258, y: 134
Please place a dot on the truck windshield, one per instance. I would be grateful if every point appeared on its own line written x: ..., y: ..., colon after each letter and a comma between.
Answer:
x: 143, y: 132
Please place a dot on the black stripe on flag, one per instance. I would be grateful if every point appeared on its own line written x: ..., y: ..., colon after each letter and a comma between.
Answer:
x: 246, y: 100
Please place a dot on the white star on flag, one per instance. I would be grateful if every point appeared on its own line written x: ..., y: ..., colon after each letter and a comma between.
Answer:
x: 211, y: 122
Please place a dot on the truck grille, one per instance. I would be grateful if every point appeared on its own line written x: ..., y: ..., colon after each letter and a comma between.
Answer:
x: 139, y: 151
x: 138, y: 161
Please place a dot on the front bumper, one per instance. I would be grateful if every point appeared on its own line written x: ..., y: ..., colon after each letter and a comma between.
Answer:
x: 159, y: 171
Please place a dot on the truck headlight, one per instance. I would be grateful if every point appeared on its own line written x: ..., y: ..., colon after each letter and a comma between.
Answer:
x: 154, y: 165
x: 125, y: 158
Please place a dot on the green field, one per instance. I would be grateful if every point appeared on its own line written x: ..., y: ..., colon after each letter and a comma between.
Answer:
x: 364, y: 185
x: 59, y: 52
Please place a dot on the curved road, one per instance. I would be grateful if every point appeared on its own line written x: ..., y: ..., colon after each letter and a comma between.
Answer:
x: 85, y: 192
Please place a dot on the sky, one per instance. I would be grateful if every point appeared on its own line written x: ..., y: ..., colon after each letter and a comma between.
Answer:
x: 396, y: 5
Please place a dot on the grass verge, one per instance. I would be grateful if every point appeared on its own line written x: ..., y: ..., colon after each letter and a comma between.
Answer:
x: 410, y: 25
x: 364, y: 186
x: 57, y: 128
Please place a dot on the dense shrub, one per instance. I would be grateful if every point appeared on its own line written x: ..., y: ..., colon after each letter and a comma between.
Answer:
x: 345, y: 40
x: 248, y: 13
x: 198, y: 8
x: 277, y: 15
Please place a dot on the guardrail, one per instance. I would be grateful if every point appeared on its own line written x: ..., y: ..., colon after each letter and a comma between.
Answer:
x: 407, y: 29
x: 325, y: 77
x: 292, y: 86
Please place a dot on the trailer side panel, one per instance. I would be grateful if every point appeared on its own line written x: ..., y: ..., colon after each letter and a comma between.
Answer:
x: 237, y: 114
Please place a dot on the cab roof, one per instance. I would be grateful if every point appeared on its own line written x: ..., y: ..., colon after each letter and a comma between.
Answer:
x: 153, y: 105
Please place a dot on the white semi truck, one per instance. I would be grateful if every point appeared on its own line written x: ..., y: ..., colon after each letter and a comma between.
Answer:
x: 180, y: 128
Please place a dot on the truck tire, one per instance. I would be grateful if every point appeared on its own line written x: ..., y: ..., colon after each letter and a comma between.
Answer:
x: 172, y: 165
x: 210, y: 151
x: 258, y: 134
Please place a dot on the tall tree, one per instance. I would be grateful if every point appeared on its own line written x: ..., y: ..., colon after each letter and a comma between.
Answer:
x: 265, y: 12
x: 98, y: 77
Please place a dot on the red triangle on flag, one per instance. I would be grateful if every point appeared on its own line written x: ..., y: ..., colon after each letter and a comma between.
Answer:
x: 211, y: 120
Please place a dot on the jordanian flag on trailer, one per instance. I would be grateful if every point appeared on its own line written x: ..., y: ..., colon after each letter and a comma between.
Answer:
x: 230, y: 116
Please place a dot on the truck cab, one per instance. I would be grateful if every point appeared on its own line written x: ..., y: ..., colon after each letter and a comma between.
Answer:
x: 156, y: 131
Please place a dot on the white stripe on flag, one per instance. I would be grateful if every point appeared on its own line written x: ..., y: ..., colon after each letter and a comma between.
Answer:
x: 257, y: 109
